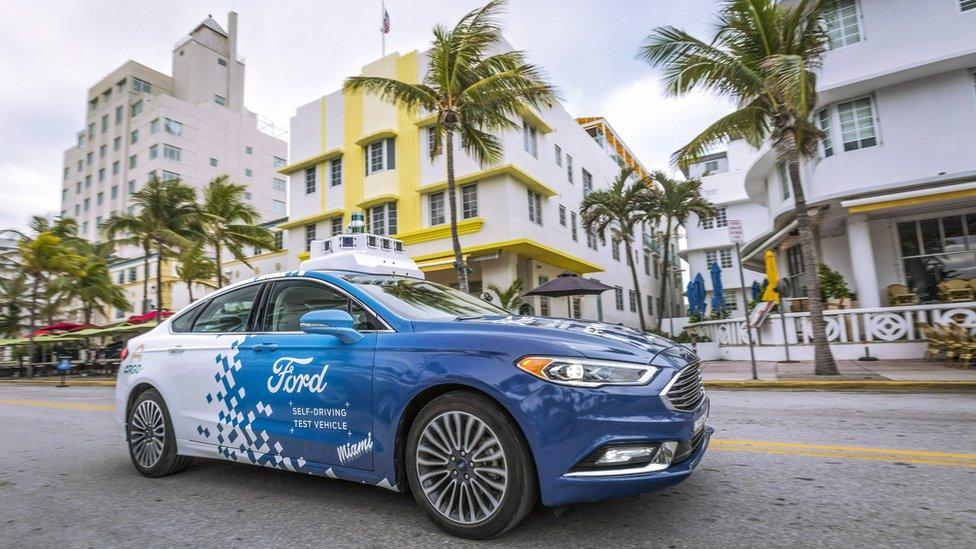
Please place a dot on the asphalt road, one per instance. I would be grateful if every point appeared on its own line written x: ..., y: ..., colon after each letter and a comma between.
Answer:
x: 785, y: 469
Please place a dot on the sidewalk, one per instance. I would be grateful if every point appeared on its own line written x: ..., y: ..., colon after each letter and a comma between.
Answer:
x: 912, y: 374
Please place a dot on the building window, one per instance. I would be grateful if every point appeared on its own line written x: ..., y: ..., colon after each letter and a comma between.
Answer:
x: 154, y: 126
x: 310, y: 180
x: 101, y: 151
x: 383, y: 219
x: 572, y: 226
x: 221, y: 61
x: 248, y: 195
x: 559, y: 155
x: 785, y: 181
x: 248, y: 150
x: 220, y: 100
x: 795, y: 269
x: 437, y: 208
x: 171, y: 152
x: 336, y: 225
x: 431, y: 132
x: 380, y: 155
x: 650, y: 306
x: 104, y: 123
x: 173, y: 127
x: 248, y: 172
x: 115, y: 168
x: 278, y: 162
x: 88, y: 158
x: 632, y: 301
x: 140, y: 85
x: 543, y: 300
x: 618, y: 298
x: 213, y: 162
x: 93, y: 105
x: 115, y: 192
x: 841, y: 21
x: 101, y: 174
x: 172, y: 176
x: 87, y: 204
x: 134, y: 137
x: 711, y: 166
x: 133, y: 160
x: 966, y: 5
x: 937, y: 249
x: 722, y: 257
x: 117, y: 144
x: 530, y: 141
x: 278, y: 207
x: 99, y: 198
x: 132, y: 186
x: 720, y: 220
x: 587, y: 182
x: 153, y: 151
x: 335, y: 172
x: 569, y: 169
x: 577, y: 307
x: 278, y: 184
x: 562, y: 215
x: 647, y: 264
x: 136, y: 108
x: 87, y: 181
x: 857, y: 124
x: 535, y: 207
x: 469, y: 201
x: 119, y: 114
x: 591, y: 241
x: 78, y: 187
x: 823, y: 124
x: 615, y: 248
x: 309, y: 236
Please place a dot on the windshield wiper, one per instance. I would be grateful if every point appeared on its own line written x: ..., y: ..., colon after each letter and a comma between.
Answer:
x: 472, y: 317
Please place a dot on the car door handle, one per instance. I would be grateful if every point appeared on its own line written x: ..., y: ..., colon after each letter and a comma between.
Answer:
x: 176, y: 349
x: 270, y: 347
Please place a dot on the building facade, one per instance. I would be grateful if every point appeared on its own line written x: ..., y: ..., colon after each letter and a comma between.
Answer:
x: 518, y: 218
x: 191, y: 126
x: 893, y: 187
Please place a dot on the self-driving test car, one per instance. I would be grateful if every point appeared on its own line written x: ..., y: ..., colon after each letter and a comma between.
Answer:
x: 357, y: 368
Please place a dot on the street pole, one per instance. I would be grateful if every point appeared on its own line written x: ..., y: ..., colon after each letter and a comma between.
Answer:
x: 745, y: 307
x: 782, y: 318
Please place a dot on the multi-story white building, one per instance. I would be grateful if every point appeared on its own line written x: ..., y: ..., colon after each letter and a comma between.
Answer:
x: 192, y: 126
x: 518, y: 218
x: 894, y: 184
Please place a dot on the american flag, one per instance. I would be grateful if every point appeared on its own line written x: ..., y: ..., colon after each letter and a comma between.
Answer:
x: 386, y: 22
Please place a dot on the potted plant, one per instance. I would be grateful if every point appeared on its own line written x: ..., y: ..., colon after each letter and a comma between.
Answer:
x: 833, y: 288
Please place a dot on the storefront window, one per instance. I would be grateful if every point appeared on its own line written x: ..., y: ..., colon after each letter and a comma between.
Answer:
x: 937, y: 249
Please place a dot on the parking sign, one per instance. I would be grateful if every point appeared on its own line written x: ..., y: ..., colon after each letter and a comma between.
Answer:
x: 735, y: 231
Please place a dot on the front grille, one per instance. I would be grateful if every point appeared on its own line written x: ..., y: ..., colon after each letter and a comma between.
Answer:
x: 687, y: 392
x: 686, y: 448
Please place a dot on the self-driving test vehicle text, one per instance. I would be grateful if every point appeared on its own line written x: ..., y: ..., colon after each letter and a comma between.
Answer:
x: 357, y: 368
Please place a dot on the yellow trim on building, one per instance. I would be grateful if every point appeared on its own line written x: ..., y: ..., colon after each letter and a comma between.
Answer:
x: 533, y: 118
x: 321, y: 216
x: 426, y: 121
x: 439, y: 264
x: 376, y: 136
x: 526, y: 247
x: 408, y: 154
x: 303, y: 256
x: 912, y: 201
x: 311, y: 161
x: 354, y: 170
x: 505, y: 169
x: 370, y: 202
x: 467, y: 226
x: 321, y: 172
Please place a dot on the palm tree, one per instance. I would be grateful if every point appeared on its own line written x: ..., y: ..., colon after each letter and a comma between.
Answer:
x: 764, y: 55
x: 133, y: 230
x: 618, y: 210
x: 13, y: 301
x: 167, y: 211
x: 470, y: 91
x: 40, y: 258
x: 195, y: 268
x: 509, y: 298
x: 672, y: 202
x: 228, y: 220
x: 91, y: 285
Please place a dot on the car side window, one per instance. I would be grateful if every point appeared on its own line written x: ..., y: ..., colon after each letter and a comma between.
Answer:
x: 288, y: 300
x: 227, y: 312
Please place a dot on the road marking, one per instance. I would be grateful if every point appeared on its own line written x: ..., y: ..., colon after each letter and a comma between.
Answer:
x: 60, y: 405
x: 891, y: 455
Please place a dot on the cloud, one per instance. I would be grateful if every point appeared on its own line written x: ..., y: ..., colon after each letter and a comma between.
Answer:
x: 654, y: 126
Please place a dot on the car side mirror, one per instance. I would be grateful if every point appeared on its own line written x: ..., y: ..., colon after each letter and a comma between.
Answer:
x: 333, y: 322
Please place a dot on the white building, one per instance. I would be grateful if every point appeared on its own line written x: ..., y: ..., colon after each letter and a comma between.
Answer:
x: 192, y: 125
x: 517, y: 219
x: 894, y: 184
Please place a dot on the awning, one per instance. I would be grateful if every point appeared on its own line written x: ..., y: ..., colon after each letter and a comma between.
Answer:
x: 911, y: 198
x: 443, y: 264
x: 766, y: 241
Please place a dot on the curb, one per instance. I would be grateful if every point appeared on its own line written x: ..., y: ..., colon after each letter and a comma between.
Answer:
x: 70, y: 382
x: 837, y: 385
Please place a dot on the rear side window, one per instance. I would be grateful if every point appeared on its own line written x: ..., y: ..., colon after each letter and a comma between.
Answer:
x: 184, y: 321
x: 227, y: 313
x: 288, y: 300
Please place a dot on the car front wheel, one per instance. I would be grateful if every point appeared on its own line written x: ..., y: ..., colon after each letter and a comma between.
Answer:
x: 152, y: 442
x: 468, y: 466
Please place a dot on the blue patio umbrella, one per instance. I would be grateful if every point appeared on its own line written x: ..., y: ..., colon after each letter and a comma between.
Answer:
x: 756, y: 290
x: 700, y: 293
x: 718, y: 294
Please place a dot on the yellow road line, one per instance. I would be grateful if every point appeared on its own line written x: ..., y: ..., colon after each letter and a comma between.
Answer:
x: 801, y: 445
x: 60, y: 405
x: 891, y: 455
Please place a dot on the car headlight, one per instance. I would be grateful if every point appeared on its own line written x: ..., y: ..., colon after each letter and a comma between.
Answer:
x: 583, y: 372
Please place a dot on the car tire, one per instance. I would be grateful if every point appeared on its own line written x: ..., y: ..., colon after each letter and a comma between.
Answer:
x: 150, y: 437
x: 469, y: 467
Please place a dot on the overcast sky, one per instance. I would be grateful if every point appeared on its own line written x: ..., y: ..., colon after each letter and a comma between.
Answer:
x: 52, y: 51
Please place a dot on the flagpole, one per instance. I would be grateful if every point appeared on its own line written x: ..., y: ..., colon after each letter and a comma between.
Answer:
x: 383, y: 22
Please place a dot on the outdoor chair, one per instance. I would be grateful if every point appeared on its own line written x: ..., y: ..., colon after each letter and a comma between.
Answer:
x: 938, y: 342
x: 899, y: 294
x: 954, y: 290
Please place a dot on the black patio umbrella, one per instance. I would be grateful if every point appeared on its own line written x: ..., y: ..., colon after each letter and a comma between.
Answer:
x: 568, y: 285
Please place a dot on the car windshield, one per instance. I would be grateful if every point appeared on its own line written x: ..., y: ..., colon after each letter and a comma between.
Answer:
x: 421, y: 299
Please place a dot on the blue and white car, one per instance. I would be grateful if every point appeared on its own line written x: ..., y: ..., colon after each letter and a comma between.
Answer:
x: 357, y: 368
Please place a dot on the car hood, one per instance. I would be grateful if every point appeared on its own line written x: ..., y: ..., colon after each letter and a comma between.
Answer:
x: 591, y: 339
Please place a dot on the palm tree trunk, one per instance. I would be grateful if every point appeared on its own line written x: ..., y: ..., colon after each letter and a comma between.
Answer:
x: 633, y: 273
x: 35, y: 287
x: 220, y: 274
x: 823, y: 359
x: 459, y: 266
x: 159, y: 285
x: 145, y: 277
x: 664, y: 275
x: 189, y: 290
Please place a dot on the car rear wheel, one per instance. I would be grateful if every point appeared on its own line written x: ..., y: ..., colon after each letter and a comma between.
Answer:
x: 152, y: 443
x: 468, y: 466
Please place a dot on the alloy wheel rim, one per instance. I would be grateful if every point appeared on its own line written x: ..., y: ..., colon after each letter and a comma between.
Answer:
x: 462, y: 467
x: 147, y: 433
